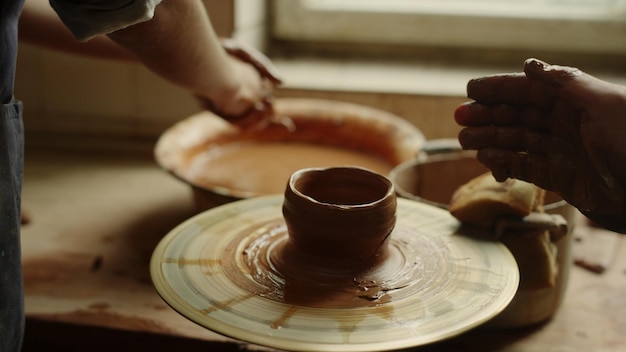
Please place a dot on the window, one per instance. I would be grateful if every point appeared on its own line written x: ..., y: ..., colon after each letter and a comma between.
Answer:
x: 591, y: 26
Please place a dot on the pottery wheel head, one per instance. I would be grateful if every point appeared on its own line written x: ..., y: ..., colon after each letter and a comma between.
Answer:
x: 217, y: 270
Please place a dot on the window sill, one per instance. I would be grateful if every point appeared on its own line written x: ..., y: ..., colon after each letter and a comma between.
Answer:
x: 394, y: 77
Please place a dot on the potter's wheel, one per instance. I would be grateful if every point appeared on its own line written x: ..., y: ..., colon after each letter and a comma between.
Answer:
x: 202, y: 269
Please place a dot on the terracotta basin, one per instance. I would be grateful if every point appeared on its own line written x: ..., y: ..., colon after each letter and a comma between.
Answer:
x: 222, y: 163
x: 437, y: 173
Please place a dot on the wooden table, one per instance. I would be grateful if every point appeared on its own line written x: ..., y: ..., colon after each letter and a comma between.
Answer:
x: 95, y: 220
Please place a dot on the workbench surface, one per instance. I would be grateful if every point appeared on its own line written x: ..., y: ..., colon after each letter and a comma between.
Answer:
x: 96, y: 218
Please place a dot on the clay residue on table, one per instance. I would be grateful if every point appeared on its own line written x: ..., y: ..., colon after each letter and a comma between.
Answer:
x: 58, y: 269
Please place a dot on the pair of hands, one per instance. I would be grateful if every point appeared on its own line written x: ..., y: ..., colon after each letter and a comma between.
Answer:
x: 557, y: 127
x: 251, y: 105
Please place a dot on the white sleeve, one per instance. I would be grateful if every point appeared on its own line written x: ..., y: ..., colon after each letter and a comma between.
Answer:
x: 89, y: 18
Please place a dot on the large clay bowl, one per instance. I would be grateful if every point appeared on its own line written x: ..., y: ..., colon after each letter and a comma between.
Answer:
x: 377, y: 139
x: 435, y: 176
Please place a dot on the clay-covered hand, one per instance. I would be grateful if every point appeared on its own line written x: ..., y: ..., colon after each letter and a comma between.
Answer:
x: 557, y: 127
x: 251, y: 105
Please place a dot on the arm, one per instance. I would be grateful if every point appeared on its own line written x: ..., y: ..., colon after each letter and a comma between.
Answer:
x: 179, y: 44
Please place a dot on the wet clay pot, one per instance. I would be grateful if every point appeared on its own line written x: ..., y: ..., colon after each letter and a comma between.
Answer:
x: 339, y: 220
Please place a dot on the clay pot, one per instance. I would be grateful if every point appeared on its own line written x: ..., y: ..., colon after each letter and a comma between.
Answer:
x: 434, y: 176
x: 339, y: 220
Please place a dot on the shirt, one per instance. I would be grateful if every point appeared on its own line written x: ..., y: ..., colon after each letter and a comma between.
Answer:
x: 89, y: 18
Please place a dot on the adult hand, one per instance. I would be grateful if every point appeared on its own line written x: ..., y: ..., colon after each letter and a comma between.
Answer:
x: 557, y: 127
x: 179, y: 44
x: 251, y: 105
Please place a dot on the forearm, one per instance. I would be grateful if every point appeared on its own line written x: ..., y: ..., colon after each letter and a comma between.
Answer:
x: 180, y: 45
x: 40, y: 25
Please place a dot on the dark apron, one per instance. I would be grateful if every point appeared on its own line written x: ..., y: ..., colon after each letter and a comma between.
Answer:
x: 11, y: 165
x: 11, y: 296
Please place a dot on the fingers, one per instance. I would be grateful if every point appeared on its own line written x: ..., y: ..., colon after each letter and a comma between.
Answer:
x: 261, y: 113
x: 558, y: 173
x: 488, y: 90
x: 257, y: 116
x: 248, y: 54
x: 513, y: 139
x: 513, y: 89
x: 251, y: 106
x: 555, y: 172
x: 474, y: 114
x: 539, y: 86
x: 505, y: 163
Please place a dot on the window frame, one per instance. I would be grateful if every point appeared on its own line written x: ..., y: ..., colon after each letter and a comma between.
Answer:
x: 441, y: 23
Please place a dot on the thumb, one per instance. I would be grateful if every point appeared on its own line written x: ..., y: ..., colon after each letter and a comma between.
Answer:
x: 264, y: 66
x: 575, y: 86
x: 553, y: 75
